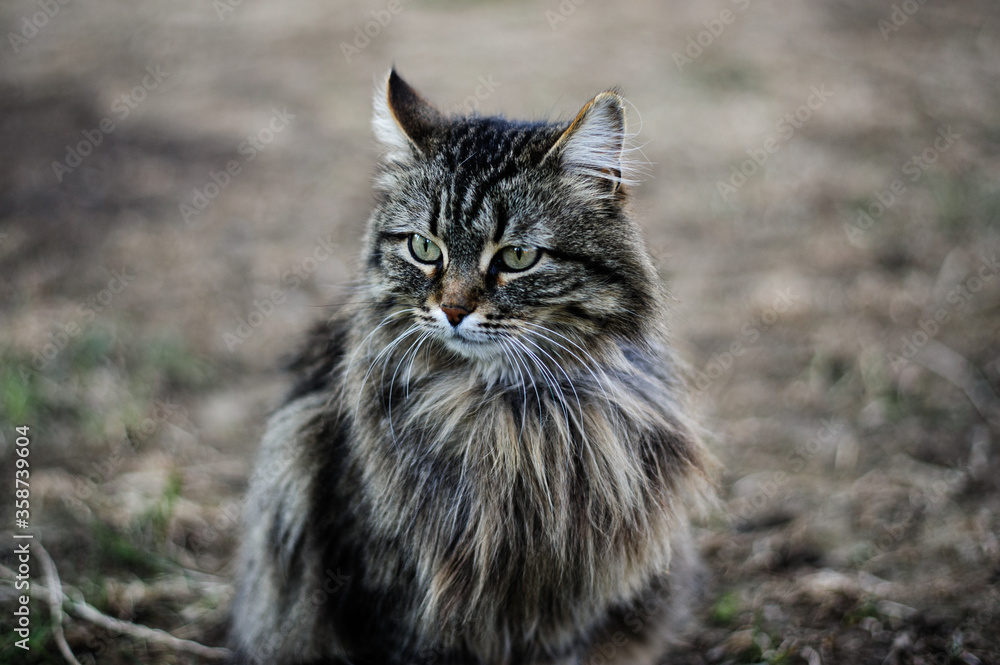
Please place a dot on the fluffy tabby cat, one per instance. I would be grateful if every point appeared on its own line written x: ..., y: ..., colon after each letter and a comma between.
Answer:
x: 486, y: 459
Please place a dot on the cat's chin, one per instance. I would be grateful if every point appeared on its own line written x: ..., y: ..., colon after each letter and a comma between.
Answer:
x: 485, y: 351
x: 487, y: 361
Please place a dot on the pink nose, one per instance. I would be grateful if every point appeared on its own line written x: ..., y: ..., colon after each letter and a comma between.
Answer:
x: 455, y: 313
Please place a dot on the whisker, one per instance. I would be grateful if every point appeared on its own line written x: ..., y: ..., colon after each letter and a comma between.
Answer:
x: 392, y: 381
x: 579, y: 405
x: 509, y: 354
x: 413, y: 359
x: 550, y: 379
x: 556, y: 392
x: 350, y: 364
x: 383, y: 353
x: 517, y: 346
x: 588, y: 366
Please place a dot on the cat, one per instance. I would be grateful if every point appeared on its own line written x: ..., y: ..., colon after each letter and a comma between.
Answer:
x: 487, y: 457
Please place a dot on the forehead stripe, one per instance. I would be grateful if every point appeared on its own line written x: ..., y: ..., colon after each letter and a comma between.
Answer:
x: 508, y: 170
x: 435, y: 211
x: 501, y: 151
x: 501, y: 223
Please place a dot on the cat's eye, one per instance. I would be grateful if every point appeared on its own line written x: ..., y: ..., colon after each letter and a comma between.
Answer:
x: 423, y: 249
x: 516, y: 259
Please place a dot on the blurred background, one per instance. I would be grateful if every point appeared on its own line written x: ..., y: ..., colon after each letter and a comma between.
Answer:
x: 183, y: 190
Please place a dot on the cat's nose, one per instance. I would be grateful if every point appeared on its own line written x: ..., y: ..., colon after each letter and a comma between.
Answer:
x: 455, y: 313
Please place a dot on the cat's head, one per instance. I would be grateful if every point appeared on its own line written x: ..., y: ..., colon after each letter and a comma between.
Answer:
x: 496, y: 236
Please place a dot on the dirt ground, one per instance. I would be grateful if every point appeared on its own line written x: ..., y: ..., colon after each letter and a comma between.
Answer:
x: 822, y: 196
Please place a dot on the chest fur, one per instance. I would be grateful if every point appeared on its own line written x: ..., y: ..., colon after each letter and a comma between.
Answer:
x: 514, y: 510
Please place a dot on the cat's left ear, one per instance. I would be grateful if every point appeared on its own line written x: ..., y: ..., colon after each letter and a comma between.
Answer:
x: 593, y: 144
x: 404, y: 122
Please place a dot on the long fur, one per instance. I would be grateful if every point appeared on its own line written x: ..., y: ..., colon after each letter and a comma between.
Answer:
x: 514, y: 489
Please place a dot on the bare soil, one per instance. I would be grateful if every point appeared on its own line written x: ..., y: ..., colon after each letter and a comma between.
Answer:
x: 822, y: 196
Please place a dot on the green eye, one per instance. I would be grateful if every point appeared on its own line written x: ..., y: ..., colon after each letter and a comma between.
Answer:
x: 424, y: 250
x: 516, y: 259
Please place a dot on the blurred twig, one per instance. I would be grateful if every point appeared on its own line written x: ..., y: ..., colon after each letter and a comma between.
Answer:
x: 55, y: 603
x: 953, y: 366
x: 76, y: 605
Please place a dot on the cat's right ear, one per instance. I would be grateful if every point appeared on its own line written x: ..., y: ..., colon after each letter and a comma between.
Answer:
x: 404, y: 122
x: 591, y: 149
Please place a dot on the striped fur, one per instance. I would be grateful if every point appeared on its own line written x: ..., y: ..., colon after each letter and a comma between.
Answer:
x: 513, y: 488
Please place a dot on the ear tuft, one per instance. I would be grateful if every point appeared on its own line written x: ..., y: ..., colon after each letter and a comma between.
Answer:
x: 403, y: 122
x: 593, y: 144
